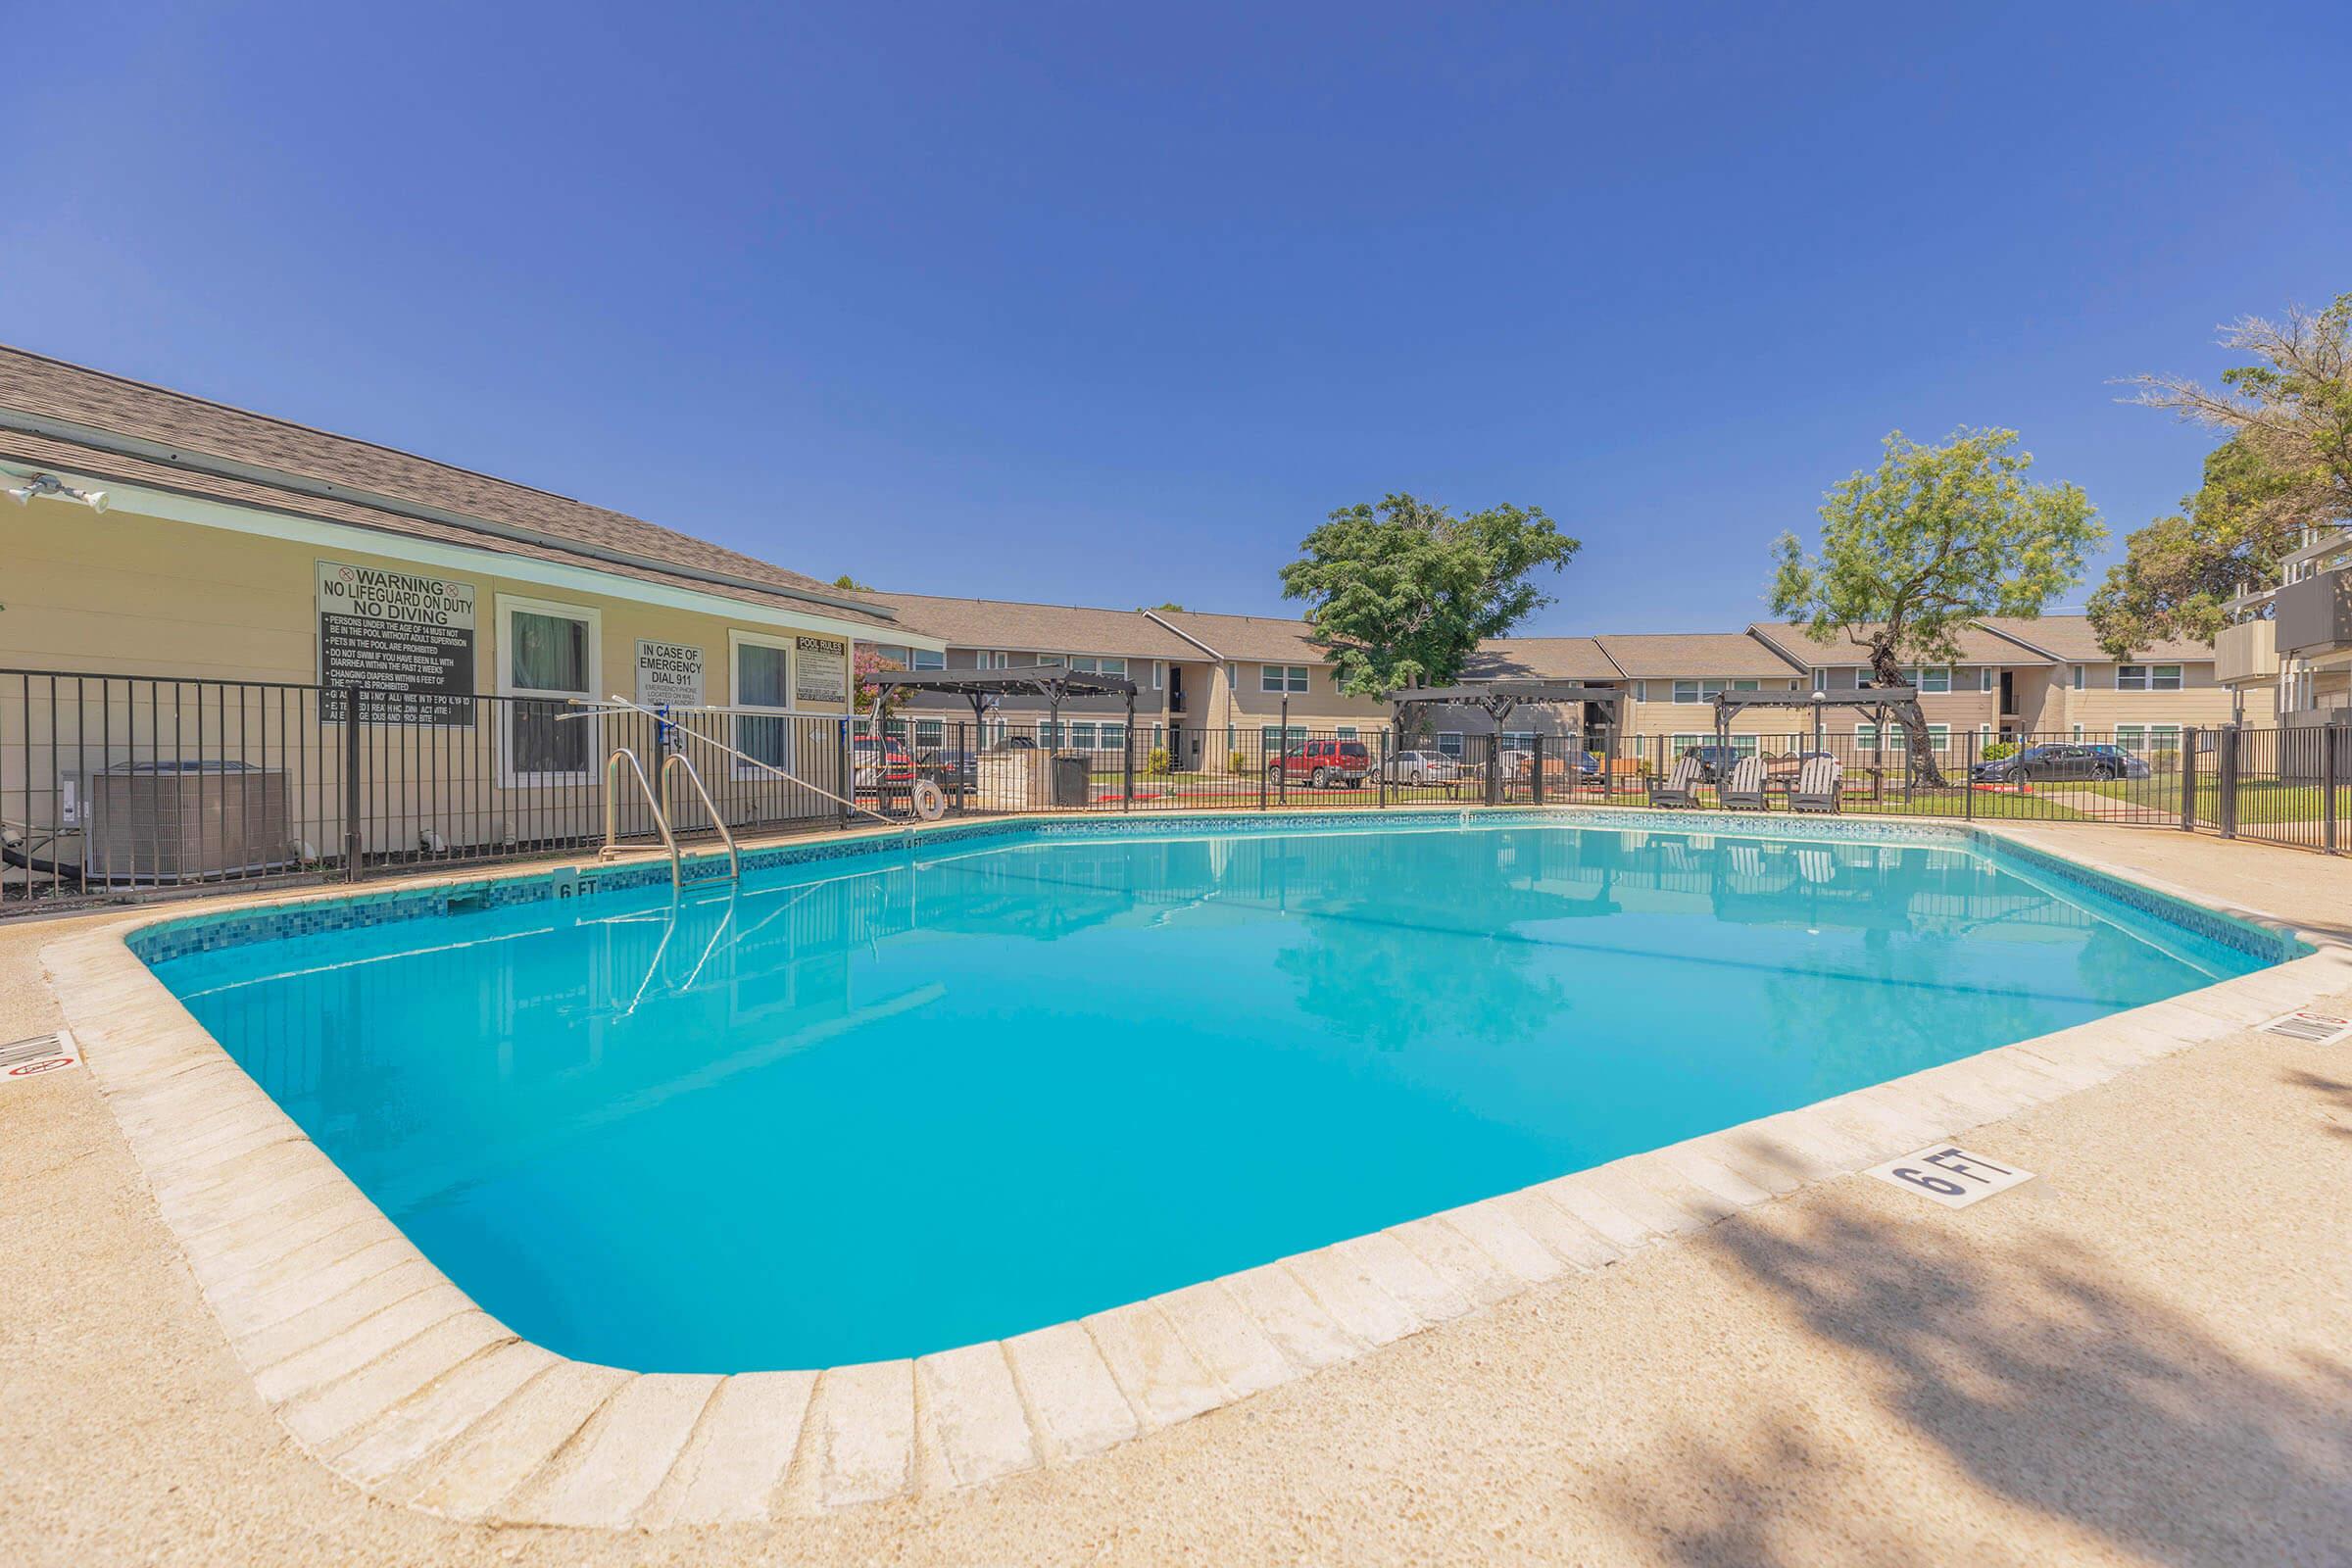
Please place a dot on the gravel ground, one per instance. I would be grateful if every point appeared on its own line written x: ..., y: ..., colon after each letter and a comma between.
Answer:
x: 2143, y: 1356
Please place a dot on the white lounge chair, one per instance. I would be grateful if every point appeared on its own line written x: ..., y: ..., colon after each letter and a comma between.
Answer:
x: 1818, y: 785
x: 1744, y: 791
x: 1681, y: 787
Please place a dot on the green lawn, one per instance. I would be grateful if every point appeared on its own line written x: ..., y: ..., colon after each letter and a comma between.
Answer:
x: 2256, y: 803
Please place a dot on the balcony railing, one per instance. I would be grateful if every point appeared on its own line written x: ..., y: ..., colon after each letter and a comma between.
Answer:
x: 2314, y: 617
x: 2247, y: 654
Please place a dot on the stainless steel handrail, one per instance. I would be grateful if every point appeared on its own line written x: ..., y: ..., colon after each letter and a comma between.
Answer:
x: 694, y: 776
x: 612, y: 847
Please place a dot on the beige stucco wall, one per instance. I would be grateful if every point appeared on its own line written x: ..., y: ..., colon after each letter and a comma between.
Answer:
x: 2099, y: 707
x: 136, y: 595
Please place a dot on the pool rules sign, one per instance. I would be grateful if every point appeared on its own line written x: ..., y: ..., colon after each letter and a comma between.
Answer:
x: 404, y: 640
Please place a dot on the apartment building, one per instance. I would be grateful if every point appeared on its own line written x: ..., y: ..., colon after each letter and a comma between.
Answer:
x: 2287, y: 661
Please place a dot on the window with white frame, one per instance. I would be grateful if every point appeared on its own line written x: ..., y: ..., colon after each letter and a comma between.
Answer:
x: 2078, y: 677
x: 762, y: 682
x: 1272, y: 737
x: 1159, y: 673
x: 1985, y: 678
x: 1706, y: 691
x: 1348, y: 732
x: 1449, y: 743
x: 1049, y: 660
x: 1282, y: 678
x: 1930, y: 679
x: 930, y: 732
x: 1868, y: 739
x: 2147, y: 677
x: 1741, y: 744
x: 911, y: 658
x: 547, y: 656
x: 1096, y: 665
x: 2148, y: 737
x: 1518, y: 740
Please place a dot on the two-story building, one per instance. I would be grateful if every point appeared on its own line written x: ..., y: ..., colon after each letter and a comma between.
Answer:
x: 2287, y: 661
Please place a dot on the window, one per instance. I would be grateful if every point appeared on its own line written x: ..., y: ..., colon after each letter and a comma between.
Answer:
x: 2148, y: 737
x: 1985, y: 678
x: 911, y: 658
x: 1518, y: 740
x: 763, y: 680
x: 1159, y: 673
x: 1347, y: 732
x: 1091, y: 664
x: 1741, y: 744
x: 931, y: 732
x: 549, y: 654
x: 2147, y: 677
x: 1282, y: 677
x: 995, y: 659
x: 1866, y: 738
x: 1930, y: 679
x: 2078, y: 677
x: 1271, y: 738
x: 1706, y: 691
x: 2078, y: 728
x: 1449, y: 743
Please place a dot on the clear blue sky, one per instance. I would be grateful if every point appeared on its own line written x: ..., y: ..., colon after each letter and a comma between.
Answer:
x: 1110, y: 303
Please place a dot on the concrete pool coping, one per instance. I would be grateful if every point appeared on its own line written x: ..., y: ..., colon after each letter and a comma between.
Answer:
x: 382, y: 1369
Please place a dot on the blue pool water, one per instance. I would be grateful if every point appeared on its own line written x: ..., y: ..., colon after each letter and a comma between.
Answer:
x: 877, y: 1106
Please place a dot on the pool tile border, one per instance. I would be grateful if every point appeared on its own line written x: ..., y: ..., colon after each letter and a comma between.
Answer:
x: 389, y: 1375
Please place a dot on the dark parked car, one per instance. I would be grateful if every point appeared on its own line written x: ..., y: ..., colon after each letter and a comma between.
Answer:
x: 1715, y: 763
x: 2060, y: 761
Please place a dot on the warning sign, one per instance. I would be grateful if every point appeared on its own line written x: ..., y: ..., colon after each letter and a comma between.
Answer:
x: 405, y: 641
x: 669, y: 674
x: 821, y: 671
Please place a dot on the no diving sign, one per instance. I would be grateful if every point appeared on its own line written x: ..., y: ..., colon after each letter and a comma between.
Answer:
x: 43, y: 1053
x: 1949, y: 1175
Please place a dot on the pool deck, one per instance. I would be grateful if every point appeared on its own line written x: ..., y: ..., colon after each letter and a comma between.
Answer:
x: 1731, y: 1351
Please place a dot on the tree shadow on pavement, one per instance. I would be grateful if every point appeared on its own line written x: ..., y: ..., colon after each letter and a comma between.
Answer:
x: 2119, y: 1418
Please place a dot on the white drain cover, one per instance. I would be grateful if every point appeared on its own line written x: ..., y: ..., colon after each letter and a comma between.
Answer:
x: 30, y: 1058
x: 2314, y: 1028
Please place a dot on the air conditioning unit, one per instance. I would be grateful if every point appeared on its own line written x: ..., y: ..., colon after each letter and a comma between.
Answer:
x: 164, y: 823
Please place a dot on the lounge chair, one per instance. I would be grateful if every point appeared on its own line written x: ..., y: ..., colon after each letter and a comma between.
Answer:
x: 1681, y: 787
x: 1744, y: 791
x: 1818, y: 785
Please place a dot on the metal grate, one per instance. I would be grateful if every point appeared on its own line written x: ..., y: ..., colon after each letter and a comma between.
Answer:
x: 27, y: 1058
x: 2312, y: 1028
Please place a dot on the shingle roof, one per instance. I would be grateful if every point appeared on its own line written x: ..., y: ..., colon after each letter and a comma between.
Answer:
x: 1540, y: 659
x: 2070, y: 639
x: 128, y: 433
x: 1695, y: 655
x: 1270, y: 639
x: 1976, y: 647
x: 1038, y: 629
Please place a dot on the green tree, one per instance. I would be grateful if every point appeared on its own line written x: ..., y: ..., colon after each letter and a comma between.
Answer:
x: 1932, y: 538
x: 2285, y: 467
x: 844, y: 580
x: 1401, y: 593
x: 1171, y: 606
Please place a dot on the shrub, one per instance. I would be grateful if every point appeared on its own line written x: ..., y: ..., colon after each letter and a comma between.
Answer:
x: 1997, y: 750
x: 1236, y: 762
x: 1155, y: 762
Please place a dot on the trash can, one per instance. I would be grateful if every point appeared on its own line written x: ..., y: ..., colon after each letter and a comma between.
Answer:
x: 1071, y: 780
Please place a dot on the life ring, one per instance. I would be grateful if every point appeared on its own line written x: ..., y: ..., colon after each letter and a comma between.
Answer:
x: 929, y: 800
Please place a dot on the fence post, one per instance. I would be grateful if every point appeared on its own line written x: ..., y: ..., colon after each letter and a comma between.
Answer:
x: 2188, y: 779
x: 2226, y: 782
x: 350, y: 783
x: 1127, y: 763
x: 847, y: 773
x: 1536, y: 778
x: 1968, y: 777
x: 2329, y: 772
x: 1494, y: 767
x: 1383, y: 769
x: 1262, y: 768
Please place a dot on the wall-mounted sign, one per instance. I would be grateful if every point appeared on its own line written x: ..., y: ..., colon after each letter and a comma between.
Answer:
x: 669, y: 674
x: 820, y: 673
x: 405, y: 641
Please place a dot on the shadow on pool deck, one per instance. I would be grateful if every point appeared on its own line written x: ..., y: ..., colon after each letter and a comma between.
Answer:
x: 2116, y: 1416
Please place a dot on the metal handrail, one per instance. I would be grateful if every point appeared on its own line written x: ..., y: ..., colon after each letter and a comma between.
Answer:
x: 612, y: 847
x: 694, y: 777
x: 589, y: 709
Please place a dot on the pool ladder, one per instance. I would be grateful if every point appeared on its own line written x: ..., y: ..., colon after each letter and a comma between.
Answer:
x: 662, y: 808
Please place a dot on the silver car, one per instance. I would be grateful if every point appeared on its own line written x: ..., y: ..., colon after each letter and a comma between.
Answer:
x: 1420, y: 767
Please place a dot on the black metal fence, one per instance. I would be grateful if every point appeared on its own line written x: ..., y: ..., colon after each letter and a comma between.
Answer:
x: 118, y: 787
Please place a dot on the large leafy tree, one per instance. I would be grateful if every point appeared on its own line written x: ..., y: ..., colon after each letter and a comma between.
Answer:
x: 1399, y: 594
x: 1935, y: 536
x: 2287, y: 466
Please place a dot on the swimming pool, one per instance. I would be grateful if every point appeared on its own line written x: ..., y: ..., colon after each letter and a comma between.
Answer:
x: 882, y: 1103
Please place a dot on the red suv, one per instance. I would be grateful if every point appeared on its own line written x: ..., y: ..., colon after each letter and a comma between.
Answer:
x: 1323, y: 764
